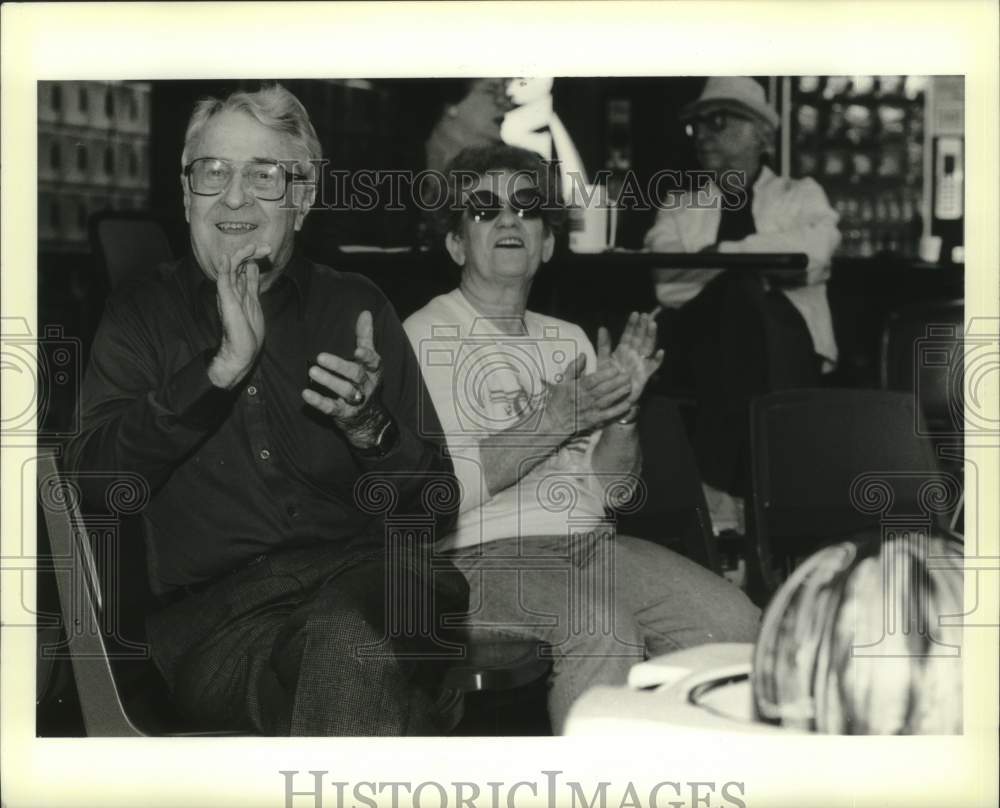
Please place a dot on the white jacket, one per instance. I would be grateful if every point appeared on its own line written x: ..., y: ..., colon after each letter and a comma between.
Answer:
x: 789, y: 215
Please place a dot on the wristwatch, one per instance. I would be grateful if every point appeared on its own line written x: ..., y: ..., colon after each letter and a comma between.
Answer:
x: 386, y: 441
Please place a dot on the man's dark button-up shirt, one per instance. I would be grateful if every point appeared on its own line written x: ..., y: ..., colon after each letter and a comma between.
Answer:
x: 235, y: 474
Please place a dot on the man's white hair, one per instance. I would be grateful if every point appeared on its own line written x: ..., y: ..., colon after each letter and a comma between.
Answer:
x: 274, y: 107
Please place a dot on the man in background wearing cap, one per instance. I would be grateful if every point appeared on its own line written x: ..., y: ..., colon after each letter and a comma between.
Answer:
x: 728, y: 333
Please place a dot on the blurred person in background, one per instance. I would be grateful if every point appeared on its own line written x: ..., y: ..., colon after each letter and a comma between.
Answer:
x: 472, y: 116
x: 731, y: 334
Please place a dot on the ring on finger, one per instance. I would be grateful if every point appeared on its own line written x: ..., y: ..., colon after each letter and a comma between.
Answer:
x: 357, y: 398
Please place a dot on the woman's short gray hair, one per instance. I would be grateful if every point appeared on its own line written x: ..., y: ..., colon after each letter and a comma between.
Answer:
x: 274, y: 107
x: 491, y: 161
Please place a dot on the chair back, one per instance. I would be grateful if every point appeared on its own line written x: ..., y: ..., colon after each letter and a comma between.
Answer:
x: 674, y: 512
x: 101, y: 598
x: 827, y: 463
x: 126, y: 243
x: 80, y: 601
x: 921, y: 352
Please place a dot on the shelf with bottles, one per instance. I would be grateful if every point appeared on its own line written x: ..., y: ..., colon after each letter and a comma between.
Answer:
x: 868, y: 225
x: 888, y: 165
x: 857, y: 128
x: 875, y: 205
x: 860, y: 241
x: 862, y: 139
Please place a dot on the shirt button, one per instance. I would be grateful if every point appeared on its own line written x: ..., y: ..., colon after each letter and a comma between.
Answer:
x: 264, y: 454
x: 251, y: 390
x: 292, y: 511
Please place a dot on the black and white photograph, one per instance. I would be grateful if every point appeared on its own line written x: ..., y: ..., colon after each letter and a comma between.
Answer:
x: 487, y: 414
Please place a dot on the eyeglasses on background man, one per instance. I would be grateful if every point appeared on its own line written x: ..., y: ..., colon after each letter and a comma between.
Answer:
x: 715, y: 121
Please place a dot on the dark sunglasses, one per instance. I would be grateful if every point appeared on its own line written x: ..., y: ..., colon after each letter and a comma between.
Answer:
x: 485, y: 206
x: 715, y: 122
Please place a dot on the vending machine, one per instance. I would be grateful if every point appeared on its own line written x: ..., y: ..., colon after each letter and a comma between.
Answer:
x: 946, y: 131
x: 888, y: 151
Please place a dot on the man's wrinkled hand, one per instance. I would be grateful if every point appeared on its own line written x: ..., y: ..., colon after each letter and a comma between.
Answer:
x: 353, y: 386
x: 237, y: 294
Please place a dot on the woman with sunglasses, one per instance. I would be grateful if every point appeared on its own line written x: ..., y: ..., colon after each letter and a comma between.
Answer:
x: 732, y: 337
x: 541, y: 428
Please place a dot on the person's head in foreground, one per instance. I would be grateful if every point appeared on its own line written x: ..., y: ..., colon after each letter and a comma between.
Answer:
x: 863, y: 639
x: 501, y: 217
x: 248, y: 179
x: 732, y: 124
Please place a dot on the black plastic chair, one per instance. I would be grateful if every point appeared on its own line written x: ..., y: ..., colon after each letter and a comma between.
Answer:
x: 100, y: 687
x: 828, y: 463
x: 922, y: 353
x: 673, y: 512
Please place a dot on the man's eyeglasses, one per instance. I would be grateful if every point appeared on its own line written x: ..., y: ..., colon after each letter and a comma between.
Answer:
x: 715, y: 121
x: 268, y: 180
x: 485, y: 206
